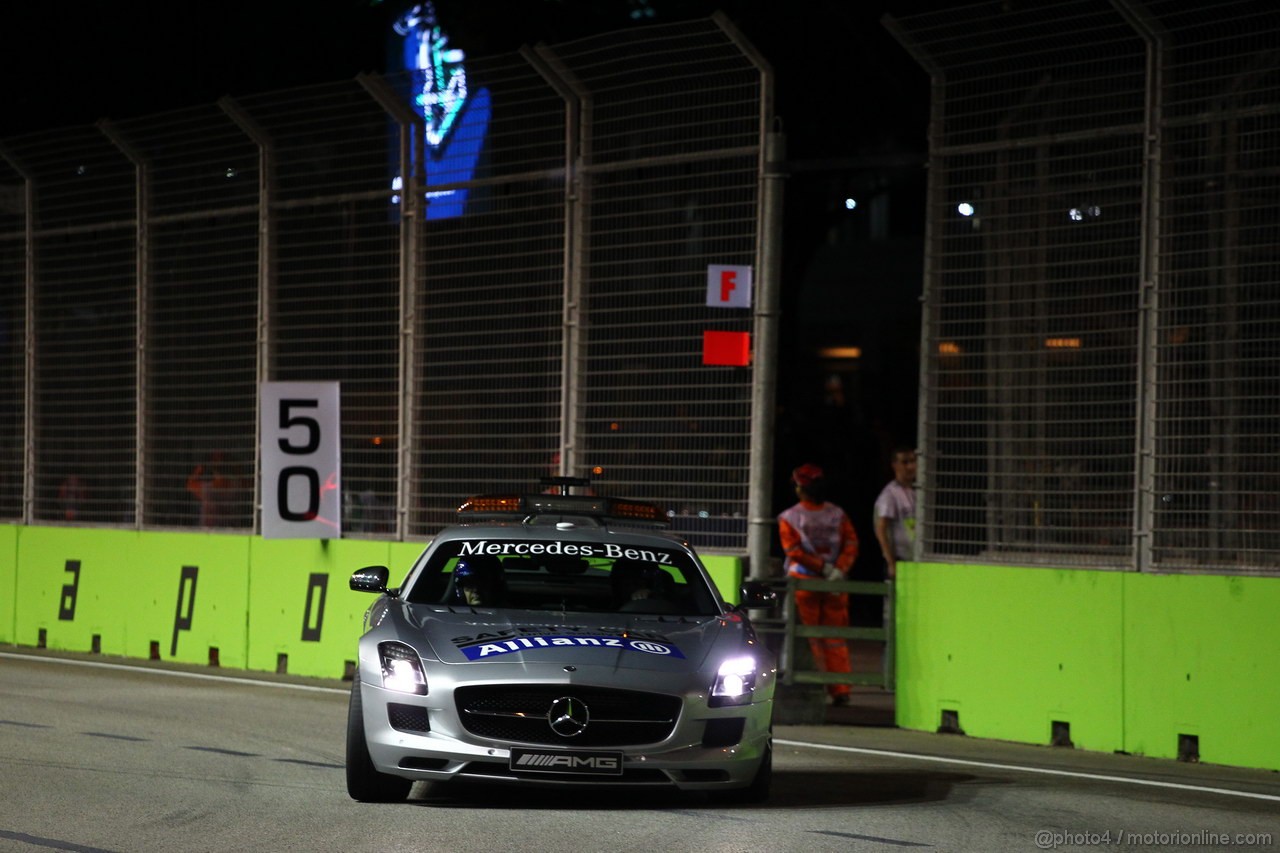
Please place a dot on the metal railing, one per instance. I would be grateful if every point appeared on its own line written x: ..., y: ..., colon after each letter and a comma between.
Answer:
x: 787, y: 627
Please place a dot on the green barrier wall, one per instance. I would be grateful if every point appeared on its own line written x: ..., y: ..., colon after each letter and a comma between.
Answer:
x: 1215, y: 640
x: 279, y: 605
x: 1129, y: 661
x: 727, y: 574
x: 8, y: 582
x: 303, y: 617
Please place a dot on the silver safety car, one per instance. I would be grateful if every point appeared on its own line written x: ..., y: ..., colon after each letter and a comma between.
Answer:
x: 559, y: 639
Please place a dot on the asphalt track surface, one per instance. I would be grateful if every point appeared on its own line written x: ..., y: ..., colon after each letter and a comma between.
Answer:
x: 114, y: 755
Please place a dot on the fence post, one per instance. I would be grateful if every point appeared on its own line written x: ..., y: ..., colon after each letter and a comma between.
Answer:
x: 577, y: 147
x: 266, y: 269
x: 410, y: 207
x: 772, y: 151
x: 890, y: 627
x: 1152, y: 33
x: 28, y: 337
x: 142, y: 290
x: 789, y: 634
x: 931, y: 308
x: 760, y: 531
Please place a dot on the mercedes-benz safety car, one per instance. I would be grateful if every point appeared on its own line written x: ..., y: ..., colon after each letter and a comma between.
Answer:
x: 559, y: 639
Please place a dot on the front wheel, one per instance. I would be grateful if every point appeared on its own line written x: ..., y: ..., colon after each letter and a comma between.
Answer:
x: 364, y: 782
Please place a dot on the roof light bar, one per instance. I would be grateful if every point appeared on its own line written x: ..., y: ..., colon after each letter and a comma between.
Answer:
x: 492, y: 503
x: 637, y: 510
x: 583, y: 505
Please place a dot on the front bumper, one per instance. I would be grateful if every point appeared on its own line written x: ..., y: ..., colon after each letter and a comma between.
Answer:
x: 707, y: 749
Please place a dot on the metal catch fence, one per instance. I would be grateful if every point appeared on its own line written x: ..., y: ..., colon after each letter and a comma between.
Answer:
x: 516, y: 291
x: 1102, y: 344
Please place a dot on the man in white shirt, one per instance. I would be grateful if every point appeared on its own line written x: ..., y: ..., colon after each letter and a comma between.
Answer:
x: 895, y: 516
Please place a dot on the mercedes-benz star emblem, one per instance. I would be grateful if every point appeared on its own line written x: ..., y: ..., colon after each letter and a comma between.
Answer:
x: 568, y: 716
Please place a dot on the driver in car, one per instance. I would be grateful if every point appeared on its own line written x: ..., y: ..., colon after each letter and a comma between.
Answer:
x: 477, y: 581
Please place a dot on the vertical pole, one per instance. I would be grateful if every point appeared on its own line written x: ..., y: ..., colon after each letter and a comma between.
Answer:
x: 930, y: 314
x: 29, y: 373
x: 411, y: 200
x: 931, y: 306
x: 1151, y: 31
x: 266, y: 251
x: 577, y: 198
x: 142, y: 294
x: 789, y: 638
x: 577, y: 159
x: 772, y: 150
x: 760, y: 531
x: 890, y: 662
x: 411, y: 195
x: 1144, y: 521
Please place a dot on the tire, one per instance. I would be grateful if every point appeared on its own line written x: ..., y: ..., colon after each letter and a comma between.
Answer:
x: 758, y: 791
x: 364, y: 782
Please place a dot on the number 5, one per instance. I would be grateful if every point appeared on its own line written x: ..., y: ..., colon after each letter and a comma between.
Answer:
x: 288, y: 422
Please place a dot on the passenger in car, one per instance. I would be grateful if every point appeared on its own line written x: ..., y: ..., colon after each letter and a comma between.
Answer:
x: 641, y: 587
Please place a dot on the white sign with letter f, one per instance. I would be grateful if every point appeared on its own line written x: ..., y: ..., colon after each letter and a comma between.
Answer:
x: 728, y: 286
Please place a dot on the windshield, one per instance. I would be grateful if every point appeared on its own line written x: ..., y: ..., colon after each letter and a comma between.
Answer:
x: 564, y: 576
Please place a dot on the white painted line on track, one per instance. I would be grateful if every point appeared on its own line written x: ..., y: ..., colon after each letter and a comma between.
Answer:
x: 885, y: 753
x: 250, y: 682
x: 991, y: 765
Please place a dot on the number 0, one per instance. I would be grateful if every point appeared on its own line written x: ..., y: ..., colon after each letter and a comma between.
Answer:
x: 313, y: 494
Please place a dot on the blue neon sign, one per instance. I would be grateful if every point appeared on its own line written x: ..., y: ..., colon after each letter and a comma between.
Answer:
x: 455, y: 118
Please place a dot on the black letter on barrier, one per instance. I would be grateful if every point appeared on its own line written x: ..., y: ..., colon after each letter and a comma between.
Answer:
x: 181, y: 622
x: 67, y: 606
x: 321, y: 582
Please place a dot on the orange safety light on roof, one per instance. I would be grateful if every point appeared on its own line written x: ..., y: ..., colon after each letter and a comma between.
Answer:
x: 636, y: 510
x: 544, y: 505
x: 492, y: 503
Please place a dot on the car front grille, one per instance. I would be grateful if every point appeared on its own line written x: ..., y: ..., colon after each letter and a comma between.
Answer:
x: 519, y: 714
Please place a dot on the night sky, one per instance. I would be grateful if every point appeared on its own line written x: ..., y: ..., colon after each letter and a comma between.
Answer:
x: 844, y: 83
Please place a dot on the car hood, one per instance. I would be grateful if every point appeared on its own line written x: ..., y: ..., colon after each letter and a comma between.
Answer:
x: 661, y: 643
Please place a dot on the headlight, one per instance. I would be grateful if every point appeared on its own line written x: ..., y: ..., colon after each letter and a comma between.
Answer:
x: 401, y: 669
x: 734, y: 682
